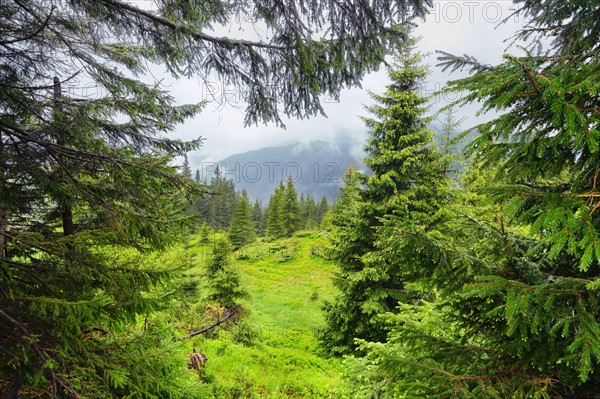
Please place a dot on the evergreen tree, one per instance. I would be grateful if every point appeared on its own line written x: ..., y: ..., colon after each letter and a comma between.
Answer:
x: 449, y: 141
x: 243, y: 229
x: 321, y: 210
x: 185, y: 169
x: 205, y: 233
x: 308, y: 213
x: 274, y: 213
x: 452, y: 343
x: 545, y: 299
x: 107, y: 158
x: 197, y: 177
x: 289, y: 210
x: 326, y: 221
x: 223, y: 282
x: 218, y: 207
x: 257, y: 217
x: 407, y: 181
x: 521, y: 320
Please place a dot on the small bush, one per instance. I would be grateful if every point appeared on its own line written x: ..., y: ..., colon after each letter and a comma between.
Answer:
x: 253, y: 252
x: 321, y: 251
x: 245, y: 334
x: 285, y: 250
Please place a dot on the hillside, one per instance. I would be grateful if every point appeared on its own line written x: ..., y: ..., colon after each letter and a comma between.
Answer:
x: 273, y: 353
x: 317, y: 168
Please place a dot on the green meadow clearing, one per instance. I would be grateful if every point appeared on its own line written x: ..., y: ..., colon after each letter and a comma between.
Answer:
x: 273, y: 352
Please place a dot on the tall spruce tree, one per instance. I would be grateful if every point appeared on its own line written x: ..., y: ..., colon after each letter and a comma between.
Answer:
x: 453, y: 343
x: 186, y: 170
x: 525, y: 324
x: 308, y: 213
x: 223, y: 203
x: 546, y: 149
x: 289, y: 210
x: 275, y: 227
x: 242, y: 229
x: 322, y: 209
x: 407, y: 180
x: 257, y: 217
x: 84, y: 172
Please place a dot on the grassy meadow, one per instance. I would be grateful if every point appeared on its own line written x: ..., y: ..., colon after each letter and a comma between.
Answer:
x: 273, y: 351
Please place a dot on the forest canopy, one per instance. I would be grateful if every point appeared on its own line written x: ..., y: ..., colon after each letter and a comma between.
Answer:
x: 87, y: 183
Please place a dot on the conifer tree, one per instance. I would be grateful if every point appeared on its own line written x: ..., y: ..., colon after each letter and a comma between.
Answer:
x: 321, y: 209
x: 275, y: 227
x: 186, y: 170
x: 205, y: 233
x: 108, y: 157
x: 242, y: 229
x: 451, y: 343
x: 257, y: 217
x: 218, y: 207
x: 223, y: 281
x: 326, y: 221
x: 546, y: 152
x: 522, y: 321
x: 407, y: 180
x: 289, y: 210
x: 308, y: 213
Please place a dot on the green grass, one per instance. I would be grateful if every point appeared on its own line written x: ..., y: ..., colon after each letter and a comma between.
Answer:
x: 287, y: 284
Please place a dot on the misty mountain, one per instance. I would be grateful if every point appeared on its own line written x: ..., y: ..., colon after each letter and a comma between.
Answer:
x: 317, y: 168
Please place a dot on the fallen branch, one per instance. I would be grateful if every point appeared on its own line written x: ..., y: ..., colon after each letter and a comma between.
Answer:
x: 208, y: 328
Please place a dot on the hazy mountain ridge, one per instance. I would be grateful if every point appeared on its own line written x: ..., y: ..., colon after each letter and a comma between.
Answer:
x: 317, y: 168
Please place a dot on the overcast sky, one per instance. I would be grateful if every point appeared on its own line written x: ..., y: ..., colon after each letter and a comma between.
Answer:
x: 458, y: 27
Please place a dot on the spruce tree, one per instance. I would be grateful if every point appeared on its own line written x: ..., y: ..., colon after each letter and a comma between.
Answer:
x: 546, y: 152
x: 275, y: 225
x: 186, y: 170
x: 223, y: 281
x: 257, y: 217
x: 321, y: 210
x: 289, y: 209
x: 85, y: 175
x: 218, y: 208
x: 452, y: 342
x: 242, y: 229
x: 522, y: 320
x: 308, y: 213
x: 407, y: 180
x: 205, y: 233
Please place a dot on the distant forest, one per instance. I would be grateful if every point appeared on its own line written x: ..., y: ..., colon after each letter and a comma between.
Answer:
x: 226, y: 209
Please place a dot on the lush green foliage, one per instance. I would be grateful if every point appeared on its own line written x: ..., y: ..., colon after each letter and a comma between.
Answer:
x: 224, y: 209
x: 289, y: 211
x: 85, y: 178
x: 515, y: 262
x: 408, y: 184
x: 243, y: 227
x: 273, y: 352
x: 222, y: 278
x: 217, y: 208
x: 285, y: 214
x: 311, y: 213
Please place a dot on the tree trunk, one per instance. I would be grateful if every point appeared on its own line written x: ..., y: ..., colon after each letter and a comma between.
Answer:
x: 66, y: 211
x: 3, y: 221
